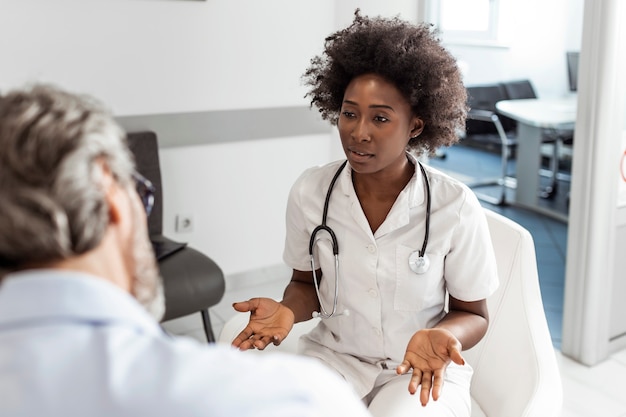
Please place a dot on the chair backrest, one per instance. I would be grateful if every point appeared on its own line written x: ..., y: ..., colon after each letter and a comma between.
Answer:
x: 485, y: 97
x: 145, y: 149
x: 515, y: 367
x: 519, y: 89
x: 192, y: 281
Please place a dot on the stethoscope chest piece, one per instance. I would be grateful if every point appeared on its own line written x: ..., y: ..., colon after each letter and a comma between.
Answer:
x: 418, y: 263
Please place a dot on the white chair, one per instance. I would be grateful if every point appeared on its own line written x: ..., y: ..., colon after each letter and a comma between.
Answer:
x: 515, y: 367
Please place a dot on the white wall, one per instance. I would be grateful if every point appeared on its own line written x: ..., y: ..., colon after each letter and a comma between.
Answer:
x: 167, y: 56
x: 405, y: 9
x: 159, y: 56
x: 237, y: 194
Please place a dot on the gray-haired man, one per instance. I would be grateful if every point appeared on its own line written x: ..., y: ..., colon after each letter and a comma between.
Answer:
x: 80, y: 288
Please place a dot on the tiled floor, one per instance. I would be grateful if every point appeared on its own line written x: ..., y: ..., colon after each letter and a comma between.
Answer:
x: 588, y: 391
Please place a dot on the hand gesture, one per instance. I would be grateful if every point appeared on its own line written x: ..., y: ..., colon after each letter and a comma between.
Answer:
x: 428, y: 353
x: 270, y: 321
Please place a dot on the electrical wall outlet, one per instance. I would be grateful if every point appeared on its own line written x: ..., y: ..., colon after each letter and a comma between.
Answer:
x: 184, y: 223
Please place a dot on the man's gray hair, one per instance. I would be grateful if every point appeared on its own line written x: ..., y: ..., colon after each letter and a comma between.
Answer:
x: 52, y: 204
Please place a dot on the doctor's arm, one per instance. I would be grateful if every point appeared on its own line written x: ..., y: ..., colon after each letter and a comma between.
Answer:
x: 300, y: 296
x: 270, y: 320
x: 467, y: 321
x: 431, y: 350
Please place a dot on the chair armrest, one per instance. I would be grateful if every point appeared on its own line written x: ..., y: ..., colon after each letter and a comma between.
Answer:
x: 482, y: 115
x: 489, y: 116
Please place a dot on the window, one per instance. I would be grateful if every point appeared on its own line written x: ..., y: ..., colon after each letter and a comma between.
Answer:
x: 465, y: 21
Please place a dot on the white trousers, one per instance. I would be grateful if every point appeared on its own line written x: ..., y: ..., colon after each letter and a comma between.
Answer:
x: 392, y: 398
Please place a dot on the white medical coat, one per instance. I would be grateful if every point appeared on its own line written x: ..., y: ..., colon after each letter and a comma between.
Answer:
x: 386, y: 300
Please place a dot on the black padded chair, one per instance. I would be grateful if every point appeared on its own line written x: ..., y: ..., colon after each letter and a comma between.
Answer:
x: 485, y: 128
x: 192, y: 281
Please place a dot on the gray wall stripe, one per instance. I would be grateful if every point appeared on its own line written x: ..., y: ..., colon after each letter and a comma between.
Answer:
x: 199, y: 128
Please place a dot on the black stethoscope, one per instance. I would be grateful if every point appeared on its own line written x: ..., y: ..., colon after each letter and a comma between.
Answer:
x: 418, y: 260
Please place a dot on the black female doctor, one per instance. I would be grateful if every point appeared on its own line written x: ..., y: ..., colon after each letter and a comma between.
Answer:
x: 394, y: 92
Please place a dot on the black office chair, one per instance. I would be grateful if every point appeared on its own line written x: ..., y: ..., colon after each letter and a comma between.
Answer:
x: 192, y: 281
x: 485, y: 127
x: 521, y: 89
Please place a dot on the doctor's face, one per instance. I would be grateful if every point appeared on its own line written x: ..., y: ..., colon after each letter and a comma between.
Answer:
x: 375, y: 125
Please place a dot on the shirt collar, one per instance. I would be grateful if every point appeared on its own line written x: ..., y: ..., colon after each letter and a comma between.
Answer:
x: 48, y: 294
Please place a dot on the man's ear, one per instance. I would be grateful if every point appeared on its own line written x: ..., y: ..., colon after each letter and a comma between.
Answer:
x: 418, y: 127
x: 113, y: 201
x: 112, y: 193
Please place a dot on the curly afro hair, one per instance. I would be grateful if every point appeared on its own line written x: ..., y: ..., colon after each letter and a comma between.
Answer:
x: 407, y: 55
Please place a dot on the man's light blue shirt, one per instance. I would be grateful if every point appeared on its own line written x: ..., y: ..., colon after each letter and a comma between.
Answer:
x: 76, y: 345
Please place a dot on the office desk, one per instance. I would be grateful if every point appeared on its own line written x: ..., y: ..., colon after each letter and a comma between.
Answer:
x: 532, y: 116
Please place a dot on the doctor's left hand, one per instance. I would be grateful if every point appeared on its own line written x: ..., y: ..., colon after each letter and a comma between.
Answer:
x: 428, y: 353
x: 270, y: 322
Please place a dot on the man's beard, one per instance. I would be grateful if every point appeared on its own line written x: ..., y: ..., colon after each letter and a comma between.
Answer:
x: 147, y: 284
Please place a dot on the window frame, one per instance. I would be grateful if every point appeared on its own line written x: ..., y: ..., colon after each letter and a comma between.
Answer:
x: 490, y: 36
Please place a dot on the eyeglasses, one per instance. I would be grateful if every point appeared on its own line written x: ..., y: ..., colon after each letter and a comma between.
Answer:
x: 146, y: 191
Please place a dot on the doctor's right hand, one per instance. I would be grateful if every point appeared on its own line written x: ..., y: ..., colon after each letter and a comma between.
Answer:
x: 270, y: 322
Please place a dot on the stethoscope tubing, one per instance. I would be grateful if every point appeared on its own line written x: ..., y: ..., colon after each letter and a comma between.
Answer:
x: 427, y: 225
x: 333, y: 238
